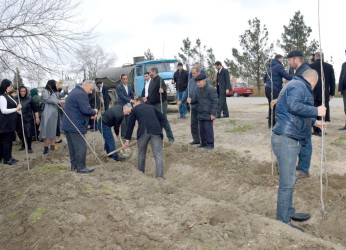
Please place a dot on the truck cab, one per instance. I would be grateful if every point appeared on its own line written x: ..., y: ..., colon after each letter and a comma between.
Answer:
x: 166, y: 68
x: 135, y: 73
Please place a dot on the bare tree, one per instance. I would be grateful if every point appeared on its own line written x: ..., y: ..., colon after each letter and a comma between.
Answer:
x: 38, y: 33
x: 90, y: 60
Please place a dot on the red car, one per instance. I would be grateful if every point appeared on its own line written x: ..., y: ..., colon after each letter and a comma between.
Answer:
x: 239, y: 89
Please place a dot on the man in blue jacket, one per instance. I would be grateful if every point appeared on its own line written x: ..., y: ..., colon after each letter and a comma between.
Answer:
x: 78, y: 110
x: 295, y: 114
x: 125, y: 95
x: 275, y: 73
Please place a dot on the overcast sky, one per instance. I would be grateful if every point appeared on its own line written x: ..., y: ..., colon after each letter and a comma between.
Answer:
x: 128, y: 28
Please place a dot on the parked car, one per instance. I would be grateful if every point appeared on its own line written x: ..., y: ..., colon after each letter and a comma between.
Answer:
x: 240, y: 89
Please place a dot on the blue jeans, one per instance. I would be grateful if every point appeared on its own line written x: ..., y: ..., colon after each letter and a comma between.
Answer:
x: 182, y: 108
x: 305, y: 156
x: 109, y: 138
x: 286, y: 151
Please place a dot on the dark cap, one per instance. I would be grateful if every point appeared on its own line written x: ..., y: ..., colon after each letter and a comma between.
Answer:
x: 200, y: 77
x: 180, y: 64
x: 295, y: 53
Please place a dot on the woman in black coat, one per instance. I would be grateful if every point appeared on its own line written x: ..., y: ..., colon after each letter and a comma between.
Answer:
x: 29, y: 110
x: 8, y: 121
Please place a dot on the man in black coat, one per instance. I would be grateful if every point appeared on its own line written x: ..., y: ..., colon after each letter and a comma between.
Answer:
x: 206, y: 97
x: 342, y: 88
x: 180, y: 79
x: 329, y: 86
x: 223, y: 87
x: 113, y: 117
x: 150, y: 123
x: 104, y: 90
x: 157, y: 96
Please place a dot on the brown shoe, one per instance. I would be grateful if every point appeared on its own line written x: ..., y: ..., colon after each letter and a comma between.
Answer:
x: 302, y: 175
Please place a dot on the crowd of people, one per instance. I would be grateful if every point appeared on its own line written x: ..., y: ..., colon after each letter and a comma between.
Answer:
x: 295, y: 110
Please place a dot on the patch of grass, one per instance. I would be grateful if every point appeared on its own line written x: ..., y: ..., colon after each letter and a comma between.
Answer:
x: 193, y: 240
x: 232, y: 122
x: 12, y: 216
x: 244, y: 128
x: 88, y: 188
x: 37, y: 215
x: 18, y: 194
x: 107, y: 190
x: 52, y: 168
x: 339, y: 141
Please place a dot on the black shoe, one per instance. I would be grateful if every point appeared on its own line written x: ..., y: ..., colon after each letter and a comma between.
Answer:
x: 45, y: 150
x: 315, y: 133
x: 73, y: 168
x: 194, y: 143
x: 10, y: 162
x: 21, y: 148
x: 120, y: 159
x: 171, y: 140
x: 14, y: 160
x: 225, y: 116
x: 295, y: 227
x: 85, y: 170
x: 30, y: 151
x: 300, y: 217
x: 209, y: 148
x: 343, y: 128
x: 201, y: 146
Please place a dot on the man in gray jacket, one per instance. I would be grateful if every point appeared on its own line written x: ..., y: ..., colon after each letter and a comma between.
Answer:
x: 191, y: 92
x: 207, y: 100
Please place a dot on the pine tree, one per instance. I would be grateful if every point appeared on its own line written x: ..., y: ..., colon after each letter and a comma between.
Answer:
x: 210, y: 70
x: 296, y: 36
x: 148, y: 55
x: 251, y: 64
x: 186, y: 54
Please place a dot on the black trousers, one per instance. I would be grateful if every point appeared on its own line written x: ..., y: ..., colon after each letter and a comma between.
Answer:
x: 327, y: 118
x: 195, y: 125
x: 206, y: 132
x: 6, y: 146
x: 269, y: 97
x: 222, y: 105
x: 77, y: 148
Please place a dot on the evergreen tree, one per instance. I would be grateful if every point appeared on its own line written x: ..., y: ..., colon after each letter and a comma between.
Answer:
x: 296, y: 36
x: 210, y: 70
x: 148, y: 55
x: 251, y: 64
x: 186, y: 54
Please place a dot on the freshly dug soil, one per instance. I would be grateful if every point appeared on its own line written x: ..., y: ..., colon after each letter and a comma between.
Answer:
x: 225, y: 199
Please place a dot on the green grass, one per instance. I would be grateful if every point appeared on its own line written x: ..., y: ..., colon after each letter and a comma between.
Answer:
x: 37, y: 215
x: 52, y: 168
x: 232, y: 122
x: 339, y: 141
x: 244, y: 128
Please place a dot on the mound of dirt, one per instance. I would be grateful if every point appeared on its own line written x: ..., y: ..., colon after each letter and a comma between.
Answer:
x: 225, y: 199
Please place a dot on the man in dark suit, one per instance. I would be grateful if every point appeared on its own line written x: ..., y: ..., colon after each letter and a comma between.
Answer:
x: 157, y: 96
x: 329, y: 86
x: 223, y: 87
x: 125, y: 95
x: 145, y: 91
x: 104, y: 90
x: 342, y: 88
x: 180, y: 79
x: 150, y: 123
